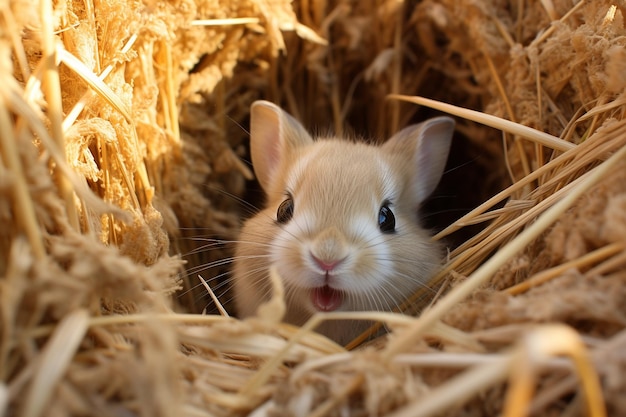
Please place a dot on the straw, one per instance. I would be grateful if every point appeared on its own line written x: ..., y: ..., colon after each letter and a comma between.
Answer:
x: 52, y: 89
x: 486, y: 271
x: 54, y: 360
x: 492, y: 121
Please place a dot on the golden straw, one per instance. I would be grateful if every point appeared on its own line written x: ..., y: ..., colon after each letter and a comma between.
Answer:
x: 488, y: 120
x: 489, y: 268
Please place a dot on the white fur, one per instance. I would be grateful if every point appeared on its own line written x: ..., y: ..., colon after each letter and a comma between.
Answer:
x: 338, y: 188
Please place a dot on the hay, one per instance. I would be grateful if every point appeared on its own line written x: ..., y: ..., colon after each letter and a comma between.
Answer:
x: 122, y: 136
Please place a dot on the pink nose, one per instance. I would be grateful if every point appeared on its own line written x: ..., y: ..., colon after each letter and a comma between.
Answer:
x: 325, y: 265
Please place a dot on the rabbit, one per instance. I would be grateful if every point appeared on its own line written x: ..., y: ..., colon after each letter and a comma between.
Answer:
x: 341, y: 222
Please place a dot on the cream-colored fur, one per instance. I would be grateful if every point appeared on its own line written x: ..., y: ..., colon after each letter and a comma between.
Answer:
x: 338, y: 188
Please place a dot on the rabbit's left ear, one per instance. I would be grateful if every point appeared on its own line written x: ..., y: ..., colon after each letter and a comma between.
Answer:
x: 428, y: 144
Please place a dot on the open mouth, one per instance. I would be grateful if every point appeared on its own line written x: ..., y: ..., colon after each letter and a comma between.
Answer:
x: 326, y: 298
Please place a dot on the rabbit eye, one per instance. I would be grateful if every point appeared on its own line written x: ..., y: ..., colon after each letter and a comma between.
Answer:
x: 285, y: 210
x: 386, y: 219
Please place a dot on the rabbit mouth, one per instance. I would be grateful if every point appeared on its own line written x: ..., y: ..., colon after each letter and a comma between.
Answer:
x: 326, y: 298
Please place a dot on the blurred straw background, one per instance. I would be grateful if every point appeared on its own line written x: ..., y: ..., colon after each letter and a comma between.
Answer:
x: 123, y: 151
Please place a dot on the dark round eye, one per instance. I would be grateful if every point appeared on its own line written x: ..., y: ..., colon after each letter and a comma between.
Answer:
x: 285, y: 211
x: 386, y: 219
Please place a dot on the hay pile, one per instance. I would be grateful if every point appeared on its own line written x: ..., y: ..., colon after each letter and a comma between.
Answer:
x: 122, y: 128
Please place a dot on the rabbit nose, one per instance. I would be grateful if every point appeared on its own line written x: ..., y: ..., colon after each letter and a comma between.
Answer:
x: 326, y: 265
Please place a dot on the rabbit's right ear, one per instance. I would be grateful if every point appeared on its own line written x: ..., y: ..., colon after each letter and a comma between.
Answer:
x: 275, y: 137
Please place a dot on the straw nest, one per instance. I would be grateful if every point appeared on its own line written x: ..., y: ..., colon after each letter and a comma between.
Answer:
x: 122, y: 129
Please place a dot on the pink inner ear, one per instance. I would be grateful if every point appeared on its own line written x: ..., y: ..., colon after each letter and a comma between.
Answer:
x: 265, y: 140
x: 428, y: 143
x: 431, y: 154
x: 274, y: 135
x: 271, y: 153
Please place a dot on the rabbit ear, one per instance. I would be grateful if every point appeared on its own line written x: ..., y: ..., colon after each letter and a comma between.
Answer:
x: 428, y: 144
x: 274, y: 137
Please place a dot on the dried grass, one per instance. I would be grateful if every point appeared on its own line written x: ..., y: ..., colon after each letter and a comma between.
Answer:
x: 121, y: 134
